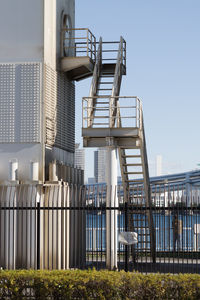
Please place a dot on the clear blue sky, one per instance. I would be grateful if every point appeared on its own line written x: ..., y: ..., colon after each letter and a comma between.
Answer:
x: 163, y: 69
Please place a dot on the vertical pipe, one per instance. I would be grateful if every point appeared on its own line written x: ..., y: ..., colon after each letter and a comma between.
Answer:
x: 136, y: 112
x: 187, y: 190
x: 53, y: 176
x: 111, y: 214
x: 126, y: 229
x: 87, y: 41
x: 13, y: 169
x: 38, y: 235
x: 34, y: 171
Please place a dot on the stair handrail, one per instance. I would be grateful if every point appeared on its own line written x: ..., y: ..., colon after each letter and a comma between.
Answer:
x: 148, y: 193
x: 116, y: 84
x: 94, y: 85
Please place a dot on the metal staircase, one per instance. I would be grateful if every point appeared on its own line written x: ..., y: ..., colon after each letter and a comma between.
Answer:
x: 111, y: 120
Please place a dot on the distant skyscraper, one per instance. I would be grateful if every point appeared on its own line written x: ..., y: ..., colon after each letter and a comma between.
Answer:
x: 158, y: 165
x: 100, y: 165
x: 79, y: 157
x: 91, y: 180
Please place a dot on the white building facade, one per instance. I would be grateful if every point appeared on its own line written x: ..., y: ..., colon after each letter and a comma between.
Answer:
x: 37, y: 111
x: 79, y: 160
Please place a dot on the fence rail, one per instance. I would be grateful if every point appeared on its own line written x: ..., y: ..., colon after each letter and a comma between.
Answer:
x: 63, y: 226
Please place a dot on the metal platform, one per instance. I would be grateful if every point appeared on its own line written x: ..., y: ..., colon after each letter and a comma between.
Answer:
x: 78, y: 53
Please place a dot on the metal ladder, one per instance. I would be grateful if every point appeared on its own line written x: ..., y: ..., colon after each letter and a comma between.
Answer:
x: 103, y: 119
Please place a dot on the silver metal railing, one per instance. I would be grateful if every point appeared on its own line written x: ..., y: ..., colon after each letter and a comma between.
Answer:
x: 110, y: 52
x: 78, y: 42
x: 128, y: 114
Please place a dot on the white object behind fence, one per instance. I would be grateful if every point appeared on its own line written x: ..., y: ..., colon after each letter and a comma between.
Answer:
x: 128, y: 238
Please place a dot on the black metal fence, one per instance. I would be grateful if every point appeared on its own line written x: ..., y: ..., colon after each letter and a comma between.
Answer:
x: 61, y: 226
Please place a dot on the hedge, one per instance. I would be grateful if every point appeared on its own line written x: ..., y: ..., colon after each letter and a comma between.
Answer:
x: 92, y: 284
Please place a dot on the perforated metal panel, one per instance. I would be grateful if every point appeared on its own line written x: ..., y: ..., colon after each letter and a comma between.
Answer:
x: 20, y: 103
x: 7, y: 103
x: 30, y: 103
x: 59, y: 110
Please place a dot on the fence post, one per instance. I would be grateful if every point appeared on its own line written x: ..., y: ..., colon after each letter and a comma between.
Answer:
x: 38, y: 235
x: 126, y: 229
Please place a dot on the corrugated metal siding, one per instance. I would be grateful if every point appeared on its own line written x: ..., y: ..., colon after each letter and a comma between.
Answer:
x: 20, y: 86
x: 59, y: 95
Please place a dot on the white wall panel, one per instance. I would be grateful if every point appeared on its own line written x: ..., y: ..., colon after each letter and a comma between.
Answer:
x: 21, y: 30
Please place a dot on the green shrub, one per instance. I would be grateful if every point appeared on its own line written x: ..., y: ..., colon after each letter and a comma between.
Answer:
x: 94, y: 284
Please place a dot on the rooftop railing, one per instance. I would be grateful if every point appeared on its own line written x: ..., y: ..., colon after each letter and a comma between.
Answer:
x: 78, y: 42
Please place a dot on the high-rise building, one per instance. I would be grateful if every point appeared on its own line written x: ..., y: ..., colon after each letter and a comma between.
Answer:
x: 91, y: 180
x: 79, y: 160
x: 100, y: 165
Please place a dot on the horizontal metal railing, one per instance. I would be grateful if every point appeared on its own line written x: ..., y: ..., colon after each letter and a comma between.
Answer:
x: 128, y: 112
x: 78, y: 42
x: 60, y: 226
x: 110, y: 50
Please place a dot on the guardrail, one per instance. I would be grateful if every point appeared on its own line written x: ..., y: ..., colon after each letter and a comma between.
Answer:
x: 128, y: 112
x: 78, y: 42
x: 110, y: 50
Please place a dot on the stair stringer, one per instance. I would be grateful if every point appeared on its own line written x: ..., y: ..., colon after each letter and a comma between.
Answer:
x: 147, y: 190
x: 95, y: 83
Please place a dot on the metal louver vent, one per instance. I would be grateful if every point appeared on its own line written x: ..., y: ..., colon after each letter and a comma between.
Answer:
x: 59, y: 95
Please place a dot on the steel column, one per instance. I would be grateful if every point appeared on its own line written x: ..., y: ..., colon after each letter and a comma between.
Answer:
x: 111, y: 215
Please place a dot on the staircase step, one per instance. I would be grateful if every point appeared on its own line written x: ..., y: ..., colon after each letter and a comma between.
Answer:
x: 107, y: 76
x: 101, y: 124
x: 106, y: 82
x: 102, y: 103
x: 129, y: 156
x: 102, y: 117
x: 135, y: 181
x: 132, y: 165
x: 105, y: 96
x: 101, y: 109
x: 133, y: 173
x: 104, y: 89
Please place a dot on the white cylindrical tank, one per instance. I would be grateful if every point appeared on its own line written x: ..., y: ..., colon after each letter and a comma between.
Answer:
x: 13, y: 170
x: 34, y: 171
